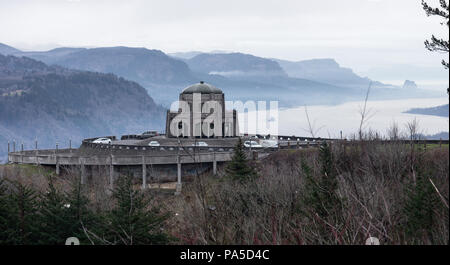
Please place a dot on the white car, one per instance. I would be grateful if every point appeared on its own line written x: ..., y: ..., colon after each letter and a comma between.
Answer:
x: 102, y: 141
x: 200, y: 144
x: 269, y: 143
x: 153, y: 143
x: 253, y: 144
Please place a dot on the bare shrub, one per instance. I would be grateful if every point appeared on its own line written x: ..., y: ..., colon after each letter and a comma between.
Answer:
x: 373, y: 179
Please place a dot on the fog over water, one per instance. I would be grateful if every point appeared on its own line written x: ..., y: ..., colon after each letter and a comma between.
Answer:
x: 330, y: 120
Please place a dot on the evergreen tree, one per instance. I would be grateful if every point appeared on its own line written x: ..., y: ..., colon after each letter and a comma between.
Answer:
x: 24, y: 212
x: 435, y: 43
x: 421, y: 201
x: 79, y: 216
x: 329, y: 185
x: 311, y: 191
x: 5, y: 215
x: 320, y: 195
x: 238, y: 168
x: 132, y: 221
x: 53, y: 217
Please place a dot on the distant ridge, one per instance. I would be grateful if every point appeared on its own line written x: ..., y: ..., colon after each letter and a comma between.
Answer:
x: 235, y: 65
x: 7, y: 50
x: 441, y: 111
x: 242, y: 76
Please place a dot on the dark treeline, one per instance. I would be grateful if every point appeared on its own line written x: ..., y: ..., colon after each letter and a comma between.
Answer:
x: 29, y: 217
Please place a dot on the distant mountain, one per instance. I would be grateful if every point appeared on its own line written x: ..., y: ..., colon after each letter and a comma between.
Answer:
x: 441, y: 111
x: 235, y: 65
x: 438, y: 136
x: 163, y: 76
x: 6, y: 50
x: 52, y: 103
x: 326, y: 71
x: 185, y: 55
x: 51, y: 56
x: 408, y: 84
x: 138, y: 64
x: 241, y: 76
x: 192, y: 54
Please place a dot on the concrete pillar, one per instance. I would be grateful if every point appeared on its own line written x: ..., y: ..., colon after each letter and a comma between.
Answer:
x: 111, y: 172
x: 214, y: 164
x: 36, y: 152
x: 57, y: 167
x: 144, y: 173
x: 178, y: 186
x: 8, y: 148
x: 14, y: 146
x: 83, y: 170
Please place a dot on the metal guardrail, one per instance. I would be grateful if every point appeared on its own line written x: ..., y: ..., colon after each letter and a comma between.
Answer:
x: 168, y: 148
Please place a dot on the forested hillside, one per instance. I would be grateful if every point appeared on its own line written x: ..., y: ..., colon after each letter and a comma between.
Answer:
x: 52, y: 104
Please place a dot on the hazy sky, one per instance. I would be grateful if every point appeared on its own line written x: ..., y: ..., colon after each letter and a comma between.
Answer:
x: 366, y: 35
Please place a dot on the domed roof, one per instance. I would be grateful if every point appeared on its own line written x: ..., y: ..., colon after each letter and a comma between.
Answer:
x: 203, y: 88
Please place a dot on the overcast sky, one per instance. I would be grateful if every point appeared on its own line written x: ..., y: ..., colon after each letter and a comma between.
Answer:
x: 361, y: 34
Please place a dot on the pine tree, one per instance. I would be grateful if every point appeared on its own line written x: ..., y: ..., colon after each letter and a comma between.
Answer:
x: 319, y: 197
x: 24, y: 215
x: 6, y: 213
x: 53, y: 217
x: 320, y: 194
x: 311, y: 191
x: 132, y: 221
x: 238, y: 168
x: 421, y: 201
x: 79, y: 216
x: 438, y: 44
x: 329, y: 185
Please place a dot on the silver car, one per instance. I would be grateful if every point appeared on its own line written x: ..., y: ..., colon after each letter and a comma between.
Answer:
x: 153, y: 143
x: 102, y: 141
x: 252, y: 144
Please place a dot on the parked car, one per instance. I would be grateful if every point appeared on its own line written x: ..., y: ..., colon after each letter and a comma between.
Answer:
x: 200, y: 144
x: 269, y: 143
x: 252, y: 144
x: 153, y: 143
x: 102, y: 141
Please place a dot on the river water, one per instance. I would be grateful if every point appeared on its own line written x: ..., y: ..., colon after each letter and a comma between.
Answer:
x: 328, y: 121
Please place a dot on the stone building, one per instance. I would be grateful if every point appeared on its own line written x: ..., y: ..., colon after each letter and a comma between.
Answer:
x: 202, y: 114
